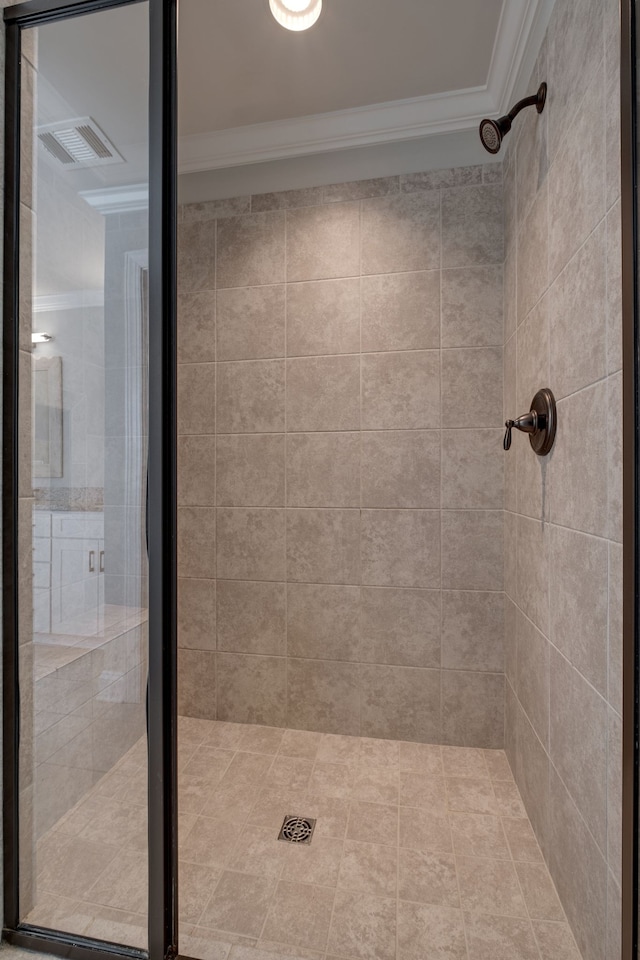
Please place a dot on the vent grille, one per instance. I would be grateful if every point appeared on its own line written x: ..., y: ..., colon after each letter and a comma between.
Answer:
x: 78, y: 143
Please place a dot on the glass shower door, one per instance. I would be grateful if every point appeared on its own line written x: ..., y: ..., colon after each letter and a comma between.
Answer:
x: 87, y: 670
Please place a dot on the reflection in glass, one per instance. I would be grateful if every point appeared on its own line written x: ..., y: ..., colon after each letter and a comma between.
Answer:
x: 83, y: 448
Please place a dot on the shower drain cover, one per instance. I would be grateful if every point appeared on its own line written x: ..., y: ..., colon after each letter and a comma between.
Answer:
x: 297, y: 829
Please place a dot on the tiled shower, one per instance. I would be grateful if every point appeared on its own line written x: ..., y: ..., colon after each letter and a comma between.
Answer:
x: 388, y: 624
x: 357, y: 553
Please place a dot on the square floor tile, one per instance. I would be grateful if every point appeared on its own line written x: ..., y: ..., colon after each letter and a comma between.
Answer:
x: 490, y: 886
x: 239, y: 904
x: 428, y: 878
x: 369, y: 868
x: 363, y: 927
x: 300, y: 915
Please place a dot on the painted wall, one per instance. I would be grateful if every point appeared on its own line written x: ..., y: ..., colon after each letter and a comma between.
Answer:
x: 563, y: 521
x: 340, y: 458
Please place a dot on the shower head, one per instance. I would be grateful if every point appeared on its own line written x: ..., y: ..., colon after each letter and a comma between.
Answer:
x: 493, y: 132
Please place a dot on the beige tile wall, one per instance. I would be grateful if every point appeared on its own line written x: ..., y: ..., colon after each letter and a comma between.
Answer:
x: 563, y: 526
x: 340, y: 458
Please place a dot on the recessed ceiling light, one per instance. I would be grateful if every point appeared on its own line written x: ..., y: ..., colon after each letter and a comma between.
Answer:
x: 296, y: 14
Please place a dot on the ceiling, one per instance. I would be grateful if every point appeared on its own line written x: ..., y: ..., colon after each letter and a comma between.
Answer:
x: 237, y: 66
x: 374, y: 74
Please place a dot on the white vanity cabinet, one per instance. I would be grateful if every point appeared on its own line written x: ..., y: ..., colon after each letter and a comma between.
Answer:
x: 68, y: 572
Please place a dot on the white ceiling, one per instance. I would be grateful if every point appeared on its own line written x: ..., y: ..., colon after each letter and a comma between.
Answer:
x: 237, y: 66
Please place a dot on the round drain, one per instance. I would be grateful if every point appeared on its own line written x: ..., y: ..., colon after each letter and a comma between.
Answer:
x: 297, y: 829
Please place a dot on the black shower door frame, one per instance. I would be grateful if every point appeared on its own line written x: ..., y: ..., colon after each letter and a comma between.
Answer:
x: 631, y: 476
x: 161, y: 510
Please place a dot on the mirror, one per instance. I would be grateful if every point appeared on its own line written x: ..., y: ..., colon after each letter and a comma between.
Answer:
x: 47, y: 417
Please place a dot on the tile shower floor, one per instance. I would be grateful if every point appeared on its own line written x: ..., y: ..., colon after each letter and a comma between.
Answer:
x: 420, y: 852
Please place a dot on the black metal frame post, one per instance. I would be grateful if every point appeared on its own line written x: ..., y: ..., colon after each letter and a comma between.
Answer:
x: 631, y: 476
x: 162, y: 706
x: 162, y: 474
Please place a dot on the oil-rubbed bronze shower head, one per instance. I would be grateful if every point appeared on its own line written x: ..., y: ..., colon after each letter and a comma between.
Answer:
x: 493, y: 132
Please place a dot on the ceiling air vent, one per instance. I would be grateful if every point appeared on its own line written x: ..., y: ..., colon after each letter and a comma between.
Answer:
x: 78, y: 143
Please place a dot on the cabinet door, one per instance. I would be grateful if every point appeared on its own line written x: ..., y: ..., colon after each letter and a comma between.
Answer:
x: 74, y: 586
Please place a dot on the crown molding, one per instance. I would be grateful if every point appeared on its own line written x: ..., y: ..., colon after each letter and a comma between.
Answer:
x: 72, y: 300
x: 339, y: 130
x: 520, y: 31
x: 125, y: 199
x: 521, y: 23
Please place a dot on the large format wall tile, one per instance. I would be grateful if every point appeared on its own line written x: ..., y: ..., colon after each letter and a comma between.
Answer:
x: 473, y: 630
x: 400, y: 703
x: 532, y: 571
x: 196, y: 256
x: 578, y: 743
x: 250, y: 617
x: 323, y: 696
x: 323, y: 317
x: 472, y: 387
x: 197, y: 684
x: 472, y: 469
x: 196, y: 398
x: 579, y: 602
x: 400, y: 626
x: 197, y: 542
x: 576, y: 181
x: 578, y: 464
x: 197, y: 614
x: 532, y: 356
x: 323, y: 470
x: 250, y: 250
x: 197, y: 471
x: 577, y: 302
x: 250, y: 322
x: 250, y: 543
x: 250, y: 396
x: 250, y: 470
x: 472, y: 226
x: 323, y: 546
x: 323, y: 242
x: 473, y: 708
x: 578, y: 870
x: 323, y: 621
x: 472, y: 307
x: 401, y: 311
x: 401, y: 548
x: 252, y: 689
x: 532, y: 256
x: 472, y: 549
x: 401, y: 391
x: 323, y: 393
x: 196, y: 327
x: 401, y: 468
x: 401, y: 233
x: 532, y: 675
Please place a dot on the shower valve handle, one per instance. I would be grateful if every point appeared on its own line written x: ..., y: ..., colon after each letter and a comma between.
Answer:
x: 539, y: 423
x: 528, y: 423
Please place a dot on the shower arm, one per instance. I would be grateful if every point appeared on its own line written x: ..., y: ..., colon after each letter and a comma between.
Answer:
x: 536, y: 100
x: 521, y: 104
